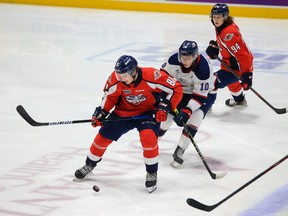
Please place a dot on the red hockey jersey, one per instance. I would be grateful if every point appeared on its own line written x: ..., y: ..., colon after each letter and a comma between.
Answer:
x: 141, y: 95
x: 233, y: 49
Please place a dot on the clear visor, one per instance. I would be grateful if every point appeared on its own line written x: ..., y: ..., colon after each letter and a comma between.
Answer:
x: 124, y: 76
x: 187, y: 59
x: 218, y: 15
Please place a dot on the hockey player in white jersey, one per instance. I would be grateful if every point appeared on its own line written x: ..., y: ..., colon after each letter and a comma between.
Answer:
x: 196, y: 75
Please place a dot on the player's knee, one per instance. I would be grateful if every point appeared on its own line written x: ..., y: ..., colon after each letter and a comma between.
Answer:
x: 149, y: 143
x: 196, y: 119
x: 235, y: 88
x: 161, y: 132
x: 99, y: 145
x: 192, y: 130
x: 102, y: 141
x: 148, y: 137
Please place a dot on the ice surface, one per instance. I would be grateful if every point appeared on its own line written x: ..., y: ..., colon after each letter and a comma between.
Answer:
x: 54, y: 61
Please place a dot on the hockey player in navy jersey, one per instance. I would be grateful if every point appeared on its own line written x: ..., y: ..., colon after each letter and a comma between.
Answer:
x: 195, y: 73
x: 131, y: 92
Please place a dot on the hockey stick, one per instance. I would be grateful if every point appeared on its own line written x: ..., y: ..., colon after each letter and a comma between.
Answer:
x: 277, y: 110
x: 22, y: 112
x: 201, y: 206
x: 213, y: 175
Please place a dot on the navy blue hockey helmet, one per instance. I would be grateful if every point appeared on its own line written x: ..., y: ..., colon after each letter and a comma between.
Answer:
x: 221, y: 9
x: 188, y: 48
x: 125, y: 64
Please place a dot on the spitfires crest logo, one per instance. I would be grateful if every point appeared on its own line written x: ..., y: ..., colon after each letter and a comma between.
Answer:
x: 228, y: 37
x: 136, y: 99
x: 157, y: 74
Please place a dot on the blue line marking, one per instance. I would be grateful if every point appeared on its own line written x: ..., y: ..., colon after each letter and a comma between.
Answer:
x: 271, y: 205
x: 91, y: 58
x: 265, y: 61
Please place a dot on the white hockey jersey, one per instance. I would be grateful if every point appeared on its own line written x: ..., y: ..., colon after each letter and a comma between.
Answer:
x: 198, y: 81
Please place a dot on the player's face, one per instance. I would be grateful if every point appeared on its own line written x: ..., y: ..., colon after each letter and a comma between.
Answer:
x: 218, y: 20
x: 125, y: 77
x: 187, y: 60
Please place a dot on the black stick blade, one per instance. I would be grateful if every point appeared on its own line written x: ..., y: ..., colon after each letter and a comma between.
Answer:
x: 281, y: 110
x: 22, y: 112
x: 201, y: 206
x: 198, y: 205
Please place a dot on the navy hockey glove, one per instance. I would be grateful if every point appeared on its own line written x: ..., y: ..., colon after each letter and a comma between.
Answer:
x: 212, y: 50
x: 98, y: 116
x: 247, y: 80
x: 182, y: 117
x: 163, y: 109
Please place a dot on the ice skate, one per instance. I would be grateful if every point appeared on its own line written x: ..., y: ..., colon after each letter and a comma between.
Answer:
x: 177, y: 157
x: 231, y: 102
x: 151, y: 182
x: 84, y: 171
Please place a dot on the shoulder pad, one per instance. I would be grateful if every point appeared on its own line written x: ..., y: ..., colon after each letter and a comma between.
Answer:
x: 202, y: 69
x: 112, y: 80
x: 151, y: 73
x: 173, y: 60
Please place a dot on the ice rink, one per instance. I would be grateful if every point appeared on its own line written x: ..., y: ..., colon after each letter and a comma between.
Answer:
x: 55, y: 61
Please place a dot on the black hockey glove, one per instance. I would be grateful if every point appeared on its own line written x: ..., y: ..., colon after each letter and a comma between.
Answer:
x: 247, y: 80
x: 98, y: 117
x: 212, y: 50
x: 163, y: 109
x: 182, y: 117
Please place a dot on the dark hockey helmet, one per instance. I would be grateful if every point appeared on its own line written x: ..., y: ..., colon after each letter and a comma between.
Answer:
x: 125, y: 64
x: 221, y: 9
x: 188, y: 48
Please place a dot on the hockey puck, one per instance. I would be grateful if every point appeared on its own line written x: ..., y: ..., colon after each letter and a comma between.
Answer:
x: 96, y: 189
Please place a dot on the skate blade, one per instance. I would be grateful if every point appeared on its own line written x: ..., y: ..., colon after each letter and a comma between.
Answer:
x: 151, y: 189
x: 175, y: 164
x: 78, y: 180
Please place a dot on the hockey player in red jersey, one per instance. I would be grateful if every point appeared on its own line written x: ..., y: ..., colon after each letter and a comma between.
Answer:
x: 234, y: 52
x: 133, y: 92
x: 196, y: 76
